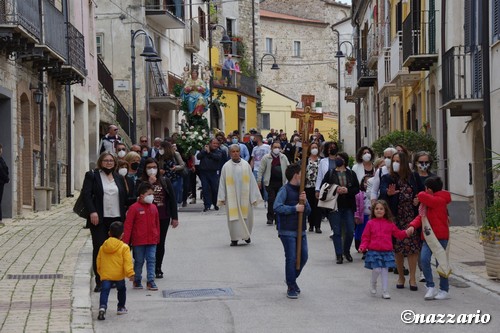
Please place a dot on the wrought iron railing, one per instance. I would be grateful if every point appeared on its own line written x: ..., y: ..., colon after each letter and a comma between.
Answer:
x: 122, y: 116
x: 175, y: 7
x: 158, y: 83
x: 364, y: 70
x: 54, y: 29
x: 462, y: 74
x: 76, y: 48
x: 373, y: 40
x: 224, y: 78
x: 105, y: 77
x: 25, y: 13
x: 419, y: 34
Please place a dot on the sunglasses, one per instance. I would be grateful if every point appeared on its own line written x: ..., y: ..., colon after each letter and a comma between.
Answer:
x: 122, y: 149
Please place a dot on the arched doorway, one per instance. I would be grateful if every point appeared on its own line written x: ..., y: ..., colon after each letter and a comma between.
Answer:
x: 52, y: 153
x: 25, y: 192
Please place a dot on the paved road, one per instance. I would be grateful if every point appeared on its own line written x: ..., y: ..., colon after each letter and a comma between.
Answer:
x: 335, y: 298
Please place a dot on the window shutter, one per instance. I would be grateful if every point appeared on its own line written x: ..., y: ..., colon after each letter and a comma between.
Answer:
x: 495, y: 19
x: 477, y: 64
x: 399, y: 17
x: 432, y: 27
x: 468, y: 25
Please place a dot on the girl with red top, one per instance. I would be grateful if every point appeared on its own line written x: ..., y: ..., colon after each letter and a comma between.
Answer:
x: 377, y: 240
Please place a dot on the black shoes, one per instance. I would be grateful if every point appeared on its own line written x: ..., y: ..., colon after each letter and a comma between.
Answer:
x: 159, y: 274
x: 216, y: 208
x: 97, y: 288
x: 318, y: 231
x: 234, y: 243
x: 340, y: 259
x: 270, y: 222
x: 206, y: 209
x: 248, y: 241
x: 348, y: 257
x: 311, y: 229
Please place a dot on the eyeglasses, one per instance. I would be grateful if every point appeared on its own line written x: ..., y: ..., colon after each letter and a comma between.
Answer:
x: 144, y: 141
x: 122, y: 149
x: 108, y: 161
x: 423, y: 162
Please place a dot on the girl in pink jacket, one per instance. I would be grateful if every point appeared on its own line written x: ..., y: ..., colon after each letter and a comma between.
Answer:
x: 377, y: 240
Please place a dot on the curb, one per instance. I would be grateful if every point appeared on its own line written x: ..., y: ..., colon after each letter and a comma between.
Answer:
x: 81, y: 304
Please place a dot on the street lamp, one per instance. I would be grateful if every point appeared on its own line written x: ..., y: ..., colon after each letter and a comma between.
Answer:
x: 151, y: 55
x: 339, y: 54
x: 274, y: 66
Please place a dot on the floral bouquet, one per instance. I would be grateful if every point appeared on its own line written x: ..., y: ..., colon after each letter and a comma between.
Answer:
x: 192, y: 138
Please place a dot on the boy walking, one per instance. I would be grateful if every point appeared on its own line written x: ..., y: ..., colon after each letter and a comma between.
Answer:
x: 142, y: 231
x: 286, y: 206
x: 435, y: 235
x: 114, y: 263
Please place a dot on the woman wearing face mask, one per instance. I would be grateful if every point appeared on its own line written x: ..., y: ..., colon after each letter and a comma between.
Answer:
x: 173, y: 166
x: 343, y: 218
x: 399, y: 188
x: 313, y: 160
x: 134, y: 160
x: 165, y: 201
x: 122, y: 169
x: 105, y: 198
x: 330, y: 150
x: 364, y: 163
x: 382, y: 170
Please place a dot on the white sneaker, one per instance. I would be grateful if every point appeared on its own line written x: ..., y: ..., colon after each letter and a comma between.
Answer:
x: 385, y: 295
x: 441, y: 295
x: 431, y: 293
x: 373, y: 289
x: 421, y: 278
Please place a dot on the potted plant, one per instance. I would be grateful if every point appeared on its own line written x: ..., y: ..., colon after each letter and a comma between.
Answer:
x: 490, y: 234
x: 349, y: 64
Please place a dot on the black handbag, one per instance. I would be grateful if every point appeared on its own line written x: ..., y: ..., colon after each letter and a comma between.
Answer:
x: 80, y: 208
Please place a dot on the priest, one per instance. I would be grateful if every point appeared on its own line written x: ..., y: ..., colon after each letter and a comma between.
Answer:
x: 238, y: 190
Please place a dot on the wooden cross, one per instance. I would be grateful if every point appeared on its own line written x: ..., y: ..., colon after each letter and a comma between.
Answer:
x: 306, y: 126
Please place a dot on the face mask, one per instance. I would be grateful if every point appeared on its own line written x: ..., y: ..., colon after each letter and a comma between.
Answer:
x: 252, y: 138
x: 395, y: 166
x: 234, y: 141
x: 367, y: 157
x: 161, y: 151
x: 314, y: 151
x: 134, y: 166
x: 387, y: 162
x: 423, y: 166
x: 107, y: 171
x: 339, y: 162
x: 122, y: 153
x: 152, y: 172
x: 333, y: 151
x: 149, y: 199
x: 145, y: 154
x: 276, y: 151
x: 123, y: 172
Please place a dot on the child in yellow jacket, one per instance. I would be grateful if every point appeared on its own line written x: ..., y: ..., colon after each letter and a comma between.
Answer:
x: 114, y: 264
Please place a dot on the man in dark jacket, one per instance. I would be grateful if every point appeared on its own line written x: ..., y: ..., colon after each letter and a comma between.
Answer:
x: 109, y: 140
x: 4, y: 179
x: 211, y: 160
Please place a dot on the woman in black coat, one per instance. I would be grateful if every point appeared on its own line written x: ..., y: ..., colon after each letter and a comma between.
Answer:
x: 105, y: 196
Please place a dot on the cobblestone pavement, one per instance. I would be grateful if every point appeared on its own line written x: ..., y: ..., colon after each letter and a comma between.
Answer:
x: 45, y: 281
x: 38, y: 254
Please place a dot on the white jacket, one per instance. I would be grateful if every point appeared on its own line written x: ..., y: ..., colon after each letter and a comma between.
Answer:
x: 266, y: 166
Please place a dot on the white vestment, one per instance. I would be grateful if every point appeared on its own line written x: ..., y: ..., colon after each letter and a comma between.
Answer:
x: 238, y: 190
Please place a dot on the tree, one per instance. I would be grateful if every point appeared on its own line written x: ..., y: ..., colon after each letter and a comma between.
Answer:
x: 413, y: 141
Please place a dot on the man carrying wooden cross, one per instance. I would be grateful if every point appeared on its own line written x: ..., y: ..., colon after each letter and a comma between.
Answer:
x: 291, y: 208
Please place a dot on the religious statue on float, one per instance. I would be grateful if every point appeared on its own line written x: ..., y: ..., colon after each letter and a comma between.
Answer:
x: 195, y: 92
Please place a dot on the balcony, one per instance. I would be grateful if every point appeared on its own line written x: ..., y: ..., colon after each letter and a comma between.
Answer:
x: 385, y: 87
x: 400, y: 76
x: 160, y: 93
x: 239, y: 82
x: 373, y: 45
x: 419, y: 41
x: 168, y: 14
x: 462, y: 81
x: 236, y: 48
x: 20, y: 25
x: 192, y: 36
x: 366, y: 77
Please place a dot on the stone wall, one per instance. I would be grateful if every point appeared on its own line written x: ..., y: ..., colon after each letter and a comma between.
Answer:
x: 327, y: 11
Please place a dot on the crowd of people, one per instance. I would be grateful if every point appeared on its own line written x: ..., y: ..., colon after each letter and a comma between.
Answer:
x: 393, y: 196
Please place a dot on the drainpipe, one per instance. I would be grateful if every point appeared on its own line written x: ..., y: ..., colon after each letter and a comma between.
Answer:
x: 444, y: 117
x: 485, y: 50
x: 42, y: 130
x: 69, y: 135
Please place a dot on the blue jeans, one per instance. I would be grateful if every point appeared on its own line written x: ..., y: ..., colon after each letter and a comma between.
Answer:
x: 120, y: 288
x: 290, y: 247
x: 177, y: 185
x: 425, y: 263
x: 141, y: 253
x: 344, y: 217
x: 210, y: 187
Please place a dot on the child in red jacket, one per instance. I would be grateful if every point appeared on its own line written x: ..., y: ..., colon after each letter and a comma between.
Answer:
x: 142, y: 231
x: 436, y: 200
x: 377, y: 239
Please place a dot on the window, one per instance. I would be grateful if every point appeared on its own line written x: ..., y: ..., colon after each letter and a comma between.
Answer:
x: 203, y: 24
x: 495, y: 20
x: 99, y: 42
x: 296, y: 49
x: 269, y: 45
x: 266, y: 121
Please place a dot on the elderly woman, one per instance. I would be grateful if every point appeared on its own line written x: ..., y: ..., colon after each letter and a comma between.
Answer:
x: 105, y: 196
x: 364, y: 163
x: 164, y: 199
